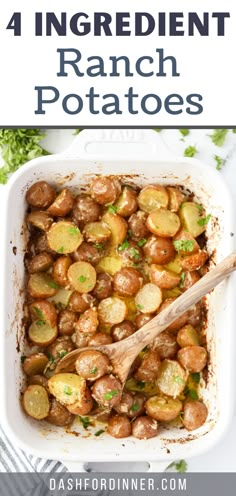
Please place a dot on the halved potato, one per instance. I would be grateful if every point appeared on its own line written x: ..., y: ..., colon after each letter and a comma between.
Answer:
x: 40, y: 219
x: 83, y: 406
x: 163, y: 278
x: 191, y: 215
x: 62, y: 205
x: 43, y: 310
x: 41, y: 333
x: 176, y: 198
x: 110, y: 264
x: 153, y: 197
x: 60, y: 269
x: 148, y: 299
x: 172, y: 378
x: 163, y: 223
x: 35, y: 402
x: 112, y: 310
x: 61, y: 298
x: 82, y: 276
x: 64, y: 237
x: 127, y: 202
x: 42, y: 285
x: 68, y: 388
x: 195, y: 261
x: 188, y: 336
x: 184, y: 243
x: 35, y: 364
x: 117, y: 226
x: 163, y: 408
x: 96, y: 232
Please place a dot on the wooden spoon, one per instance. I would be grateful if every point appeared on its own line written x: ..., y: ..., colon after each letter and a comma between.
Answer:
x: 123, y: 353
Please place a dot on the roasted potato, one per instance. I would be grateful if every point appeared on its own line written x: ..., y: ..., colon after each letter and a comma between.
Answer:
x: 163, y: 408
x: 96, y: 232
x: 123, y: 330
x: 43, y: 311
x: 148, y: 370
x: 188, y: 336
x: 144, y: 428
x: 88, y: 322
x: 141, y: 319
x: 163, y: 278
x: 40, y: 195
x: 60, y: 347
x: 180, y: 321
x: 137, y: 226
x: 112, y: 310
x: 127, y: 202
x: 64, y: 237
x: 80, y: 302
x: 105, y: 190
x: 82, y: 276
x: 195, y: 261
x: 152, y: 198
x: 193, y: 358
x: 103, y: 288
x: 66, y: 322
x: 188, y: 279
x: 39, y: 263
x: 176, y: 198
x: 60, y: 269
x: 195, y: 414
x: 58, y: 414
x: 107, y: 391
x: 41, y: 333
x: 85, y: 210
x: 148, y: 299
x: 41, y: 285
x: 192, y: 218
x: 130, y: 252
x: 127, y: 281
x: 40, y: 219
x: 118, y: 227
x: 35, y: 402
x: 92, y: 365
x: 110, y: 264
x: 67, y: 388
x: 88, y: 252
x: 125, y: 403
x: 163, y: 223
x: 171, y: 378
x: 100, y: 338
x: 39, y: 380
x: 62, y: 205
x: 159, y: 250
x: 165, y: 344
x: 35, y: 364
x: 184, y: 243
x: 119, y: 426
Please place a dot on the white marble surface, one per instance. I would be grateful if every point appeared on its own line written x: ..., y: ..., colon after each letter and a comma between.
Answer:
x: 221, y: 457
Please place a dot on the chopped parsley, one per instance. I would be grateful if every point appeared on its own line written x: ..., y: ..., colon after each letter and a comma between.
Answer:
x: 38, y: 312
x: 199, y: 206
x: 53, y: 284
x: 124, y: 245
x: 98, y: 246
x: 60, y: 250
x: 111, y: 394
x: 179, y: 380
x: 219, y: 162
x: 134, y: 253
x: 140, y: 307
x: 40, y: 323
x: 204, y: 220
x: 23, y: 358
x: 85, y: 421
x: 141, y: 384
x: 73, y: 230
x: 112, y: 209
x: 218, y: 136
x: 68, y: 390
x: 180, y: 466
x: 82, y: 278
x: 134, y: 407
x: 51, y: 358
x: 61, y: 354
x: 184, y: 132
x: 182, y: 279
x: 98, y: 433
x: 190, y: 151
x: 94, y: 370
x: 141, y: 242
x: 184, y: 245
x: 196, y: 377
x: 192, y: 394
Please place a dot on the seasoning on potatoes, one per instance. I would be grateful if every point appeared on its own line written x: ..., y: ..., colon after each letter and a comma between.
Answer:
x: 40, y: 219
x: 35, y: 364
x: 105, y: 190
x: 80, y: 302
x: 159, y: 250
x: 60, y: 347
x: 99, y: 339
x: 41, y: 333
x: 125, y: 404
x: 83, y: 406
x: 192, y: 218
x: 58, y: 414
x: 68, y: 388
x: 188, y: 336
x: 103, y: 288
x: 60, y: 269
x: 43, y: 311
x: 39, y: 263
x: 117, y: 226
x: 152, y: 198
x: 119, y: 426
x: 35, y: 402
x: 144, y: 428
x: 171, y: 378
x: 40, y: 195
x: 64, y: 237
x: 96, y: 232
x: 62, y: 205
x: 148, y: 299
x: 163, y: 408
x: 163, y: 223
x: 112, y: 311
x: 195, y: 414
x: 193, y: 358
x: 85, y: 210
x: 127, y: 202
x: 82, y: 276
x: 88, y: 322
x: 163, y: 278
x: 66, y: 322
x: 176, y: 198
x: 127, y: 282
x: 137, y: 225
x: 165, y: 344
x: 148, y: 370
x: 195, y: 261
x: 41, y: 285
x: 92, y: 364
x: 88, y: 252
x: 185, y: 243
x: 107, y: 391
x: 141, y: 319
x: 123, y: 330
x: 188, y: 279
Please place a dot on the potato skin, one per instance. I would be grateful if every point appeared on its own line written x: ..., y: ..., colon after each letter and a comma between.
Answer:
x: 193, y: 358
x: 40, y: 195
x: 163, y: 409
x: 88, y: 322
x: 149, y: 367
x: 180, y: 321
x: 80, y: 302
x: 107, y: 391
x: 60, y: 345
x: 137, y: 225
x: 119, y: 426
x: 105, y: 190
x: 165, y: 344
x: 100, y: 338
x: 103, y: 288
x: 164, y: 279
x: 83, y: 406
x: 127, y: 282
x: 131, y: 254
x: 87, y: 252
x: 60, y: 269
x: 190, y: 278
x: 85, y: 210
x: 127, y: 202
x: 39, y: 263
x: 195, y: 261
x: 144, y: 428
x: 39, y: 380
x: 159, y: 250
x: 35, y: 364
x: 188, y: 336
x: 142, y: 318
x: 43, y: 310
x: 40, y: 219
x: 137, y: 407
x: 40, y: 244
x: 66, y: 322
x: 125, y: 403
x: 123, y: 330
x: 195, y: 414
x: 62, y: 205
x: 92, y: 365
x: 58, y: 414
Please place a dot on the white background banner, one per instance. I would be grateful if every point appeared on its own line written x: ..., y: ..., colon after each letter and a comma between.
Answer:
x: 195, y: 87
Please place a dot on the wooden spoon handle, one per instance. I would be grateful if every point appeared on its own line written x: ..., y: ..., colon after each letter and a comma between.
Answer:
x: 155, y: 326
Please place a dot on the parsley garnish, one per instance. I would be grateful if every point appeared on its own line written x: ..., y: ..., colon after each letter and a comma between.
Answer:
x: 53, y: 284
x: 192, y: 394
x: 204, y: 220
x: 51, y: 358
x: 39, y: 313
x: 74, y: 230
x: 182, y: 279
x: 111, y: 394
x: 85, y: 421
x: 180, y: 466
x: 98, y: 433
x: 61, y: 354
x: 40, y: 323
x: 218, y: 136
x: 98, y: 246
x: 199, y: 206
x: 60, y: 250
x: 184, y: 245
x: 124, y: 245
x: 134, y: 253
x: 184, y: 132
x: 179, y: 380
x: 68, y: 390
x: 22, y: 358
x: 82, y: 278
x: 112, y: 209
x: 196, y: 377
x: 219, y: 162
x: 141, y: 242
x: 141, y: 384
x: 140, y: 307
x: 190, y: 151
x: 134, y: 407
x: 94, y: 370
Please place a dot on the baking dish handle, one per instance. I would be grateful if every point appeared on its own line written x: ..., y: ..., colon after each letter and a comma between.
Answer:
x: 97, y: 144
x: 80, y: 467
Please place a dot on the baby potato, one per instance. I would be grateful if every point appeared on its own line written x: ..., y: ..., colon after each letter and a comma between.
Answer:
x: 148, y: 299
x: 189, y: 279
x: 125, y: 404
x: 122, y: 331
x: 60, y: 269
x: 40, y: 219
x: 80, y: 302
x: 141, y: 319
x: 188, y: 336
x: 163, y: 278
x: 148, y: 370
x: 163, y: 223
x: 58, y: 414
x: 110, y: 265
x: 191, y: 215
x: 83, y: 406
x: 165, y: 344
x: 88, y: 321
x: 163, y: 408
x: 185, y: 243
x: 129, y: 251
x: 176, y: 198
x: 96, y: 232
x: 79, y: 339
x: 60, y: 347
x: 107, y: 391
x: 68, y: 388
x: 99, y: 339
x: 40, y: 195
x: 40, y: 244
x: 62, y: 205
x: 195, y: 414
x: 66, y: 322
x: 88, y: 252
x: 137, y: 407
x: 144, y: 428
x: 82, y: 276
x: 180, y: 321
x: 41, y: 285
x: 39, y: 263
x: 171, y: 378
x: 41, y: 333
x: 64, y: 237
x: 127, y: 282
x: 127, y: 202
x: 92, y: 364
x: 43, y: 311
x: 85, y: 210
x: 119, y: 426
x: 118, y: 227
x: 159, y: 250
x: 112, y: 310
x: 39, y: 380
x: 35, y: 402
x: 137, y: 225
x: 195, y: 314
x: 153, y: 197
x: 103, y: 288
x: 61, y: 298
x: 195, y: 261
x: 35, y: 364
x: 105, y: 190
x: 193, y: 358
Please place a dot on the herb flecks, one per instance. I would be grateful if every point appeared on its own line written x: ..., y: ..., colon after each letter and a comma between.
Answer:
x: 82, y: 278
x: 108, y: 396
x: 74, y: 230
x: 219, y: 162
x: 124, y: 245
x: 85, y: 421
x: 112, y: 209
x: 204, y: 220
x: 184, y: 245
x: 68, y: 390
x: 190, y: 151
x: 98, y: 433
x: 182, y: 279
x: 218, y: 136
x: 94, y: 370
x: 141, y: 242
x: 134, y: 253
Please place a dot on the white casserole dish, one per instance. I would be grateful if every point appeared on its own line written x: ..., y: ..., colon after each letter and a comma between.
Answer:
x: 132, y: 153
